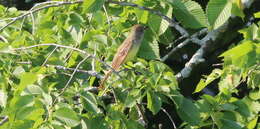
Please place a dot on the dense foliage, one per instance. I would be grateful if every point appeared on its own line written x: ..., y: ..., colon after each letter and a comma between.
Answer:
x: 53, y: 56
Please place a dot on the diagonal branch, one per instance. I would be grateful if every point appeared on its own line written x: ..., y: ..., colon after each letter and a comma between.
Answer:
x: 193, y: 38
x: 209, y: 43
x: 172, y: 22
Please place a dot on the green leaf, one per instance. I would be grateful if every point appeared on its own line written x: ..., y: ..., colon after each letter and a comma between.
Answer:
x: 187, y: 110
x: 18, y: 71
x: 132, y: 97
x: 252, y: 124
x: 237, y: 11
x: 257, y: 15
x: 32, y: 90
x: 31, y: 113
x: 253, y: 79
x: 130, y: 124
x: 47, y: 99
x: 150, y: 47
x: 239, y: 50
x: 189, y: 13
x: 22, y: 101
x: 158, y: 25
x: 154, y: 102
x: 90, y: 102
x: 251, y: 33
x: 26, y: 79
x: 91, y: 6
x: 226, y: 120
x: 216, y: 73
x: 97, y: 122
x: 255, y: 94
x: 229, y: 124
x: 68, y: 116
x: 141, y: 15
x: 218, y: 12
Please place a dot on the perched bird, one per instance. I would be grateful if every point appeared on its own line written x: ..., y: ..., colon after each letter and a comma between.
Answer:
x: 127, y: 50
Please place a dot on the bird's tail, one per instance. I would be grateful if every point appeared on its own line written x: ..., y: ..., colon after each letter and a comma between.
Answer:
x: 101, y: 85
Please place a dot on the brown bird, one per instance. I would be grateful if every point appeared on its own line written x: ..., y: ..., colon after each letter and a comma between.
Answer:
x: 127, y: 50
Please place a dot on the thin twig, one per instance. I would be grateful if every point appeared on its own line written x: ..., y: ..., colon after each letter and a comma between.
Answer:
x: 49, y: 56
x: 193, y: 39
x: 92, y: 73
x: 72, y: 48
x: 175, y: 49
x: 70, y: 79
x: 5, y: 119
x: 33, y: 23
x: 56, y: 4
x: 169, y: 116
x: 172, y: 22
x: 141, y: 113
x: 59, y: 67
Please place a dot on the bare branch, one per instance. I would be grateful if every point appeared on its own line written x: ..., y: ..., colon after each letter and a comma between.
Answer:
x: 92, y: 73
x: 49, y: 4
x: 56, y: 4
x: 72, y: 48
x: 206, y: 43
x: 4, y: 119
x: 172, y: 22
x: 141, y: 113
x: 193, y: 39
x: 169, y: 116
x: 49, y: 55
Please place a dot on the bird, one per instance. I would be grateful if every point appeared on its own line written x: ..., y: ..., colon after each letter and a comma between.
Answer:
x: 127, y: 50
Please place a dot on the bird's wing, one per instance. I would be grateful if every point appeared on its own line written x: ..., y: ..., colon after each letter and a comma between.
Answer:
x: 121, y: 54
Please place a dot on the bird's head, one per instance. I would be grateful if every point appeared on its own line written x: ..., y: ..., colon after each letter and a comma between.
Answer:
x: 139, y: 29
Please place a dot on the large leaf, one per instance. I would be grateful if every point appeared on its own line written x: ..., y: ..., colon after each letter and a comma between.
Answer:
x: 90, y: 102
x: 150, y: 48
x: 218, y: 12
x: 239, y: 50
x: 68, y: 116
x: 203, y: 83
x: 189, y: 13
x: 187, y: 110
x: 26, y: 79
x: 158, y: 25
x: 154, y: 102
x: 91, y: 6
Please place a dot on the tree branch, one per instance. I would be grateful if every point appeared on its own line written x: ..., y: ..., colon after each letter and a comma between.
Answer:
x: 4, y: 119
x: 68, y: 47
x: 193, y: 38
x: 172, y: 22
x: 208, y: 44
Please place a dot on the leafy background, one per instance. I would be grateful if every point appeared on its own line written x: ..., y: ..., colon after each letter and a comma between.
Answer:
x: 52, y: 59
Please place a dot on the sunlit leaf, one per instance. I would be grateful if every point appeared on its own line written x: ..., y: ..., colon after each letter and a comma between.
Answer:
x: 68, y: 116
x: 189, y: 13
x: 91, y: 6
x: 154, y: 102
x: 218, y: 12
